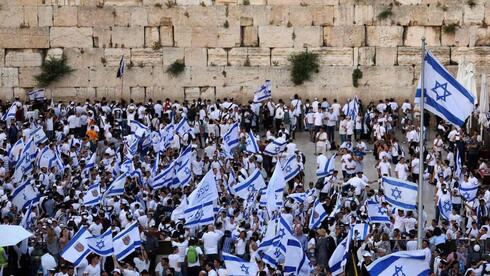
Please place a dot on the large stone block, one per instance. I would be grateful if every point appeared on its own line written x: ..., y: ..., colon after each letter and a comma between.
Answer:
x: 344, y: 15
x: 279, y: 15
x: 476, y: 55
x: 344, y: 36
x: 139, y: 76
x: 170, y: 55
x: 227, y: 37
x: 122, y: 3
x: 305, y: 37
x: 23, y: 58
x: 365, y: 56
x: 30, y: 17
x: 411, y: 55
x: 32, y: 38
x: 460, y: 38
x: 65, y: 16
x: 261, y: 15
x: 196, y: 57
x: 152, y: 37
x: 78, y: 78
x: 112, y: 56
x: 363, y: 14
x: 91, y: 57
x: 139, y: 16
x: 322, y: 15
x: 122, y: 16
x: 67, y: 37
x: 384, y: 36
x: 414, y: 35
x: 26, y: 76
x: 249, y: 57
x: 11, y: 17
x: 102, y: 37
x: 473, y: 15
x: 7, y: 93
x: 2, y: 57
x: 280, y: 56
x: 45, y: 15
x: 250, y: 36
x: 275, y: 36
x: 98, y: 77
x: 167, y: 36
x: 146, y: 57
x: 386, y: 56
x: 487, y: 14
x: 96, y: 17
x: 9, y: 77
x: 131, y: 37
x: 217, y: 57
x: 453, y: 14
x: 182, y: 36
x: 334, y: 56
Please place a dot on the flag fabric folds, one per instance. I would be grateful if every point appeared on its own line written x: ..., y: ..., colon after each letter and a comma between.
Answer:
x: 200, y: 214
x: 24, y: 195
x: 238, y: 267
x: 36, y: 94
x: 10, y: 114
x: 182, y: 127
x: 276, y: 146
x: 92, y: 196
x: 376, y: 212
x: 252, y: 183
x: 468, y: 190
x: 327, y: 168
x: 359, y: 231
x: 38, y: 136
x: 338, y: 260
x: 264, y: 92
x: 117, y: 186
x: 102, y: 245
x: 77, y: 248
x: 121, y: 69
x: 205, y: 191
x: 401, y: 263
x: 274, y: 191
x: 445, y: 205
x: 251, y: 143
x: 126, y: 241
x: 290, y: 168
x: 318, y: 214
x: 89, y: 165
x: 399, y: 193
x: 295, y: 260
x: 231, y: 137
x: 444, y: 95
x: 138, y: 128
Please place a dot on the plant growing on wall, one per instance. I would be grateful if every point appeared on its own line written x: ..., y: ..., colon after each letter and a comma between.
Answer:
x: 303, y: 64
x: 386, y: 13
x: 450, y: 28
x: 52, y: 70
x: 356, y: 75
x: 176, y: 68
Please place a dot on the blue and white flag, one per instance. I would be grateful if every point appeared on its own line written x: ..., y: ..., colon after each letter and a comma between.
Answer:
x: 337, y: 207
x: 164, y: 178
x: 126, y: 241
x: 327, y: 168
x: 231, y: 137
x: 138, y: 128
x: 102, y: 245
x: 276, y: 146
x: 318, y: 214
x: 351, y: 108
x: 10, y: 114
x: 206, y: 191
x: 121, y: 69
x: 183, y: 127
x: 57, y: 161
x: 301, y: 197
x: 338, y: 260
x: 38, y: 136
x: 458, y: 170
x: 445, y: 205
x: 28, y: 217
x: 295, y: 260
x: 178, y: 213
x: 154, y: 167
x: 77, y: 248
x: 238, y: 267
x: 36, y: 94
x: 16, y: 150
x: 92, y: 196
x: 45, y: 157
x: 274, y: 191
x: 167, y: 136
x: 359, y: 231
x: 25, y: 164
x: 401, y: 263
x: 251, y: 143
x: 254, y: 182
x: 264, y: 92
x: 468, y: 190
x: 24, y: 195
x: 89, y: 166
x: 444, y: 95
x: 291, y: 168
x: 117, y: 186
x: 200, y: 214
x: 184, y: 174
x: 401, y: 194
x: 377, y: 213
x: 283, y: 234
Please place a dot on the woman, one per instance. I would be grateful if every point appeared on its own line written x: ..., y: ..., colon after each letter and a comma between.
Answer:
x: 52, y: 242
x: 64, y: 238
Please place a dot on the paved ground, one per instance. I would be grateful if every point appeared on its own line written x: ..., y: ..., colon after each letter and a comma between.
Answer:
x: 308, y: 148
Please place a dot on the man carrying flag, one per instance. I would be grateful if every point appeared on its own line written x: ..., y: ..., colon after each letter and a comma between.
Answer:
x: 264, y: 92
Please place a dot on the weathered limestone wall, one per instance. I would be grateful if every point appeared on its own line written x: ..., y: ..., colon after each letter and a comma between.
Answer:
x: 231, y: 46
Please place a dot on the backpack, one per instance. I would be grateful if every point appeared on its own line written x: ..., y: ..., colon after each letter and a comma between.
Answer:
x: 192, y: 254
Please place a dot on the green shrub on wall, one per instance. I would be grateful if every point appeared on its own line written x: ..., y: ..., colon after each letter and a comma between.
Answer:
x: 176, y: 68
x: 303, y: 64
x: 52, y: 70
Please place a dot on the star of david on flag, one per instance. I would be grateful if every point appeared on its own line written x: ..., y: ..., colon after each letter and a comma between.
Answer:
x: 237, y: 266
x: 445, y: 205
x: 444, y: 95
x: 102, y: 245
x: 401, y: 263
x: 400, y: 193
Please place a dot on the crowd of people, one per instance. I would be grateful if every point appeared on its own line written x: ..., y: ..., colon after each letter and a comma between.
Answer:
x: 63, y: 171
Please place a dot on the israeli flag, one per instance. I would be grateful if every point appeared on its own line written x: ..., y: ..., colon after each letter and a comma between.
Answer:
x: 36, y: 94
x: 283, y: 234
x: 291, y: 168
x: 126, y: 241
x: 183, y: 127
x: 231, y: 137
x: 28, y: 217
x: 276, y: 146
x: 178, y: 213
x: 251, y: 143
x: 205, y: 191
x: 337, y: 207
x: 57, y: 161
x: 444, y: 95
x: 327, y: 168
x: 264, y: 92
x: 38, y: 136
x: 338, y: 260
x: 164, y: 178
x: 458, y: 167
x: 16, y: 150
x: 77, y: 248
x: 45, y: 157
x: 253, y: 183
x: 295, y: 260
x: 92, y: 196
x: 401, y: 194
x: 10, y: 114
x: 274, y: 191
x: 117, y: 186
x: 377, y: 213
x: 121, y: 69
x: 154, y: 168
x: 359, y: 231
x: 102, y: 244
x: 138, y: 128
x: 184, y: 174
x: 167, y: 136
x: 238, y: 267
x: 199, y: 214
x: 445, y: 205
x: 351, y: 108
x: 401, y: 263
x: 24, y: 195
x: 318, y: 214
x: 89, y: 165
x: 468, y: 190
x: 298, y: 197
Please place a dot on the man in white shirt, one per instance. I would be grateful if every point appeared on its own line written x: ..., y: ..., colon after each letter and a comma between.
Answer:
x: 174, y: 260
x: 210, y: 241
x: 401, y: 169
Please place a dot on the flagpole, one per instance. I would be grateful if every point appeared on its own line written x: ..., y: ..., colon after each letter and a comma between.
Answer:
x: 421, y: 149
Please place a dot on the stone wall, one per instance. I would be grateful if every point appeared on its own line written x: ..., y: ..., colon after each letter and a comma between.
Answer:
x: 231, y: 46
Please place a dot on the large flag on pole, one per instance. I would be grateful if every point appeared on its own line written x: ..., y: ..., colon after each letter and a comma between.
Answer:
x: 291, y: 168
x: 251, y: 143
x: 237, y: 266
x: 295, y: 260
x: 444, y: 95
x: 275, y: 190
x: 401, y: 263
x: 77, y: 247
x: 10, y: 114
x: 376, y: 212
x: 276, y: 146
x: 327, y: 168
x: 264, y: 92
x: 127, y: 241
x: 252, y: 183
x: 24, y: 195
x: 318, y: 214
x: 102, y: 245
x: 122, y: 67
x: 338, y: 260
x: 401, y: 194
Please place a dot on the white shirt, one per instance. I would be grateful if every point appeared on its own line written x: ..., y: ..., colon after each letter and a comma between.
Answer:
x: 210, y: 240
x: 402, y: 170
x: 48, y: 262
x: 173, y: 262
x: 318, y: 117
